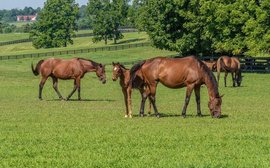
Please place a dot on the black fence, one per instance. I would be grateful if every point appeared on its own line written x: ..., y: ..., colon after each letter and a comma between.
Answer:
x: 77, y: 51
x: 130, y: 30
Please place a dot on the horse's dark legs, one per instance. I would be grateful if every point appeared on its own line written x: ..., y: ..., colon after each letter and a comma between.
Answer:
x: 149, y: 107
x: 76, y: 86
x: 233, y: 79
x: 153, y: 101
x: 188, y: 94
x: 198, y: 100
x: 55, y: 83
x: 225, y: 78
x: 41, y: 85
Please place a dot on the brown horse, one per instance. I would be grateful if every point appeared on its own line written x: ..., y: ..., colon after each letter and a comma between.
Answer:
x: 212, y: 65
x: 74, y: 68
x: 232, y: 65
x: 177, y: 73
x: 120, y: 71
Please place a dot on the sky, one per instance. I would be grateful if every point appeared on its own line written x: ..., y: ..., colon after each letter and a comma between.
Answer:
x: 20, y: 4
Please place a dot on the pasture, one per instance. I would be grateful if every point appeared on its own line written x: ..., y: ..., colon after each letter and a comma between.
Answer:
x: 94, y: 133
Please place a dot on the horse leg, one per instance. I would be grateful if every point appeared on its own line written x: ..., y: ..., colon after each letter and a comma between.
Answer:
x: 152, y: 98
x: 126, y: 101
x: 197, y: 90
x: 41, y: 85
x: 225, y: 78
x: 233, y: 79
x: 149, y: 107
x: 144, y: 94
x: 188, y: 94
x: 129, y: 107
x: 76, y: 86
x: 55, y: 83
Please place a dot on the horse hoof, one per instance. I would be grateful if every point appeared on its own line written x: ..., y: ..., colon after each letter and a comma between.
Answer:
x: 199, y: 115
x: 158, y: 115
x: 130, y: 116
x: 184, y: 116
x: 142, y: 115
x: 126, y: 116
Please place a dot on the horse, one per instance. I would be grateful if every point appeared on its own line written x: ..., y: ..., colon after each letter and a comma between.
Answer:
x: 188, y: 72
x: 212, y: 65
x: 120, y: 71
x: 74, y: 68
x: 232, y: 65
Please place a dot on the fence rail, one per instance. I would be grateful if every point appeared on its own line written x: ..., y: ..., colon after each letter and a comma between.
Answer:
x: 65, y: 52
x: 76, y: 36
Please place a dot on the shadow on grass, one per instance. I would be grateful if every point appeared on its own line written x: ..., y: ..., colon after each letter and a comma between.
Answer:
x: 179, y: 115
x: 84, y: 100
x: 130, y: 41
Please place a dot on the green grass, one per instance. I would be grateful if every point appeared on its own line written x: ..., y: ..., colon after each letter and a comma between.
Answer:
x: 79, y: 43
x: 94, y: 132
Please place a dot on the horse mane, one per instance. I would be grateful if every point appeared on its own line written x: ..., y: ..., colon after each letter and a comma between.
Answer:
x: 133, y: 71
x: 122, y: 66
x: 95, y: 64
x: 210, y: 74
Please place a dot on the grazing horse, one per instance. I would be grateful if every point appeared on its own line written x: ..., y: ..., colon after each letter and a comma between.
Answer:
x: 177, y: 73
x: 232, y: 65
x: 120, y: 71
x: 74, y: 68
x: 212, y: 65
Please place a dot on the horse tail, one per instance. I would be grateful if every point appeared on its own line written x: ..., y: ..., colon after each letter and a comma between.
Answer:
x: 133, y: 71
x: 37, y: 68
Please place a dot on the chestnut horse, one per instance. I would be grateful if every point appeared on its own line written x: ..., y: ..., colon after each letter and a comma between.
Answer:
x: 212, y: 65
x: 120, y: 71
x: 74, y: 68
x: 175, y: 73
x: 232, y: 65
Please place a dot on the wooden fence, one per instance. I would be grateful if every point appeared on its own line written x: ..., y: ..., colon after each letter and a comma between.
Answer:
x: 130, y: 30
x: 77, y: 51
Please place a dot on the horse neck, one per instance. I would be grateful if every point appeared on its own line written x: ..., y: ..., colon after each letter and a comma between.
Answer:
x: 211, y: 84
x: 124, y: 76
x: 89, y: 66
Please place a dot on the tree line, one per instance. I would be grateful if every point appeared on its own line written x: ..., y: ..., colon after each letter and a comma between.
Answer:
x: 201, y: 27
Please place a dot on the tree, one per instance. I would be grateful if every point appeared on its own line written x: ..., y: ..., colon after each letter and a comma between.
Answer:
x: 107, y: 16
x: 56, y: 24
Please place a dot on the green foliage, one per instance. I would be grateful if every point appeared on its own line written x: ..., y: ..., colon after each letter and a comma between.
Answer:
x: 107, y: 16
x: 56, y: 24
x: 205, y: 26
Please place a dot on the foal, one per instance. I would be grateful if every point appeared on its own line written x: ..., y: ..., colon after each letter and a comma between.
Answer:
x: 232, y: 65
x: 120, y: 71
x: 74, y: 68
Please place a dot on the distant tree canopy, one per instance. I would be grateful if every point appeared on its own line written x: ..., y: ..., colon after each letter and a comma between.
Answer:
x: 206, y: 26
x: 106, y: 17
x: 11, y: 15
x: 56, y: 24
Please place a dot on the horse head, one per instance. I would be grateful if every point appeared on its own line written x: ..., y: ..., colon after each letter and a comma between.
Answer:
x: 100, y: 72
x: 116, y: 71
x: 215, y: 106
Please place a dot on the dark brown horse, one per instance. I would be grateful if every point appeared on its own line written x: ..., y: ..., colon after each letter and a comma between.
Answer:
x: 232, y: 65
x: 120, y: 71
x: 212, y: 65
x: 74, y: 68
x: 177, y: 73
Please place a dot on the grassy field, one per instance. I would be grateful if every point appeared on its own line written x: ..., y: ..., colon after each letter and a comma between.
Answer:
x: 79, y: 43
x: 94, y: 133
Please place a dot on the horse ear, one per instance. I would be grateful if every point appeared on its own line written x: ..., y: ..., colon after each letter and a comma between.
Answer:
x: 100, y: 65
x: 221, y: 96
x: 113, y: 63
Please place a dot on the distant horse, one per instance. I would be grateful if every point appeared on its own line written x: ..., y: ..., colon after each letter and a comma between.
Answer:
x: 120, y: 71
x: 232, y: 65
x: 74, y: 68
x: 212, y: 65
x: 177, y: 73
